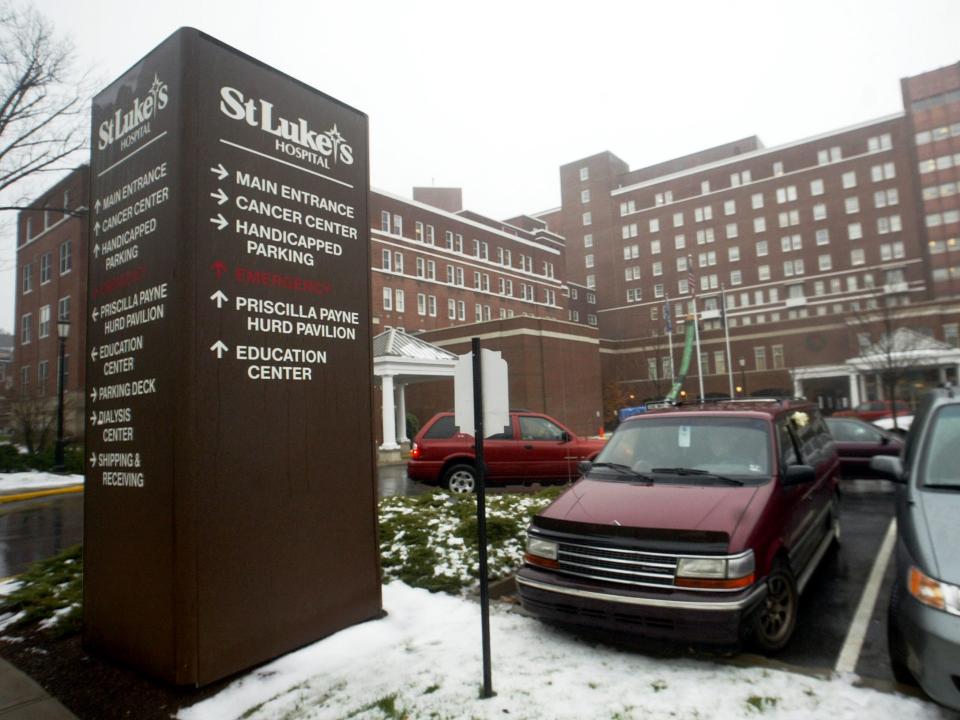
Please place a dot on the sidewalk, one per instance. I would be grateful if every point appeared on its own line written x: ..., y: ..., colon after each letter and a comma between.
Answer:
x: 22, y: 699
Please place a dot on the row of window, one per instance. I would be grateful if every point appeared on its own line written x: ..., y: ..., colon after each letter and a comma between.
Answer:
x: 947, y: 189
x: 948, y: 273
x: 938, y: 133
x: 943, y: 162
x: 878, y: 173
x: 591, y: 297
x: 834, y: 154
x: 791, y: 268
x: 574, y: 316
x: 49, y: 216
x: 44, y: 386
x: 665, y: 368
x: 46, y: 266
x: 944, y: 218
x: 43, y: 327
x: 393, y: 223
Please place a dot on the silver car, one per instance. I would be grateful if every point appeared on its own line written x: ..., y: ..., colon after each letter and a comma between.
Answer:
x: 924, y: 611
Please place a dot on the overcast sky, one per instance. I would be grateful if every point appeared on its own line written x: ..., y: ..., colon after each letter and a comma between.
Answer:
x: 494, y: 96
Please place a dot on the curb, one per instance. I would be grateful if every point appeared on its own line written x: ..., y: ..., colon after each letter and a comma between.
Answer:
x: 40, y: 493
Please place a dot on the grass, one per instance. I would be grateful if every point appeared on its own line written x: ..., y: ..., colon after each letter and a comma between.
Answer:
x: 761, y: 704
x: 50, y: 590
x: 428, y: 541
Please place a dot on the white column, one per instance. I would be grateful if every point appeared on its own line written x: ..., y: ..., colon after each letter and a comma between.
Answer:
x: 401, y: 413
x: 389, y: 420
x: 854, y: 389
x: 797, y: 387
x: 942, y: 374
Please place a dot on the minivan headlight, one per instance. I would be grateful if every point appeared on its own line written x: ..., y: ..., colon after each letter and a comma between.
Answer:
x: 716, y: 573
x: 541, y: 552
x: 936, y: 594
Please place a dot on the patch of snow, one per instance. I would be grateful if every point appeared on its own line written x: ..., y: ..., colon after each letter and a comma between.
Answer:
x: 29, y: 481
x: 426, y: 653
x: 8, y: 586
x: 49, y: 622
x: 8, y: 619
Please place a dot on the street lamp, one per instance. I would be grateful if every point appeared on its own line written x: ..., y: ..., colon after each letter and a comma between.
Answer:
x: 63, y: 330
x: 743, y: 376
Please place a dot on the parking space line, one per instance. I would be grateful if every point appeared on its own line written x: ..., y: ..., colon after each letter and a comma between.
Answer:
x: 850, y: 653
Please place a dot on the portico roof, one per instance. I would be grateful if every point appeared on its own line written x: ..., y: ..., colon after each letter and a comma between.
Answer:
x: 409, y: 359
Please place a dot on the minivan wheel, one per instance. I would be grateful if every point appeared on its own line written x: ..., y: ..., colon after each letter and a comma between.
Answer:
x: 778, y: 616
x: 461, y: 479
x: 896, y: 647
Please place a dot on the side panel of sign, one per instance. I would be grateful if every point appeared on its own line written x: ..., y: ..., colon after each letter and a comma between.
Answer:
x: 287, y: 549
x: 128, y: 542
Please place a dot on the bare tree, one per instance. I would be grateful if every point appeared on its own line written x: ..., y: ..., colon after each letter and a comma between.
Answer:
x: 43, y: 118
x: 888, y: 348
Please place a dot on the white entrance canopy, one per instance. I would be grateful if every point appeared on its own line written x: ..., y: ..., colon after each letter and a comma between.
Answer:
x: 905, y: 348
x: 400, y: 360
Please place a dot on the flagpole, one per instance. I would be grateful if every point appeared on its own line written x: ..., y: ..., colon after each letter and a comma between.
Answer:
x: 696, y: 336
x: 726, y: 335
x: 692, y: 287
x: 669, y: 326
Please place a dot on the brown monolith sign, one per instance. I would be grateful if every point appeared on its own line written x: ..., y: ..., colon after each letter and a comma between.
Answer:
x: 230, y: 503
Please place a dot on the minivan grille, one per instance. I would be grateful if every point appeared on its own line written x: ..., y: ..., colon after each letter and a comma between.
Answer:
x: 587, y: 559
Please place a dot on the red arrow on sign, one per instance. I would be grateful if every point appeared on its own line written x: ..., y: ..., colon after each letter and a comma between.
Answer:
x: 219, y: 268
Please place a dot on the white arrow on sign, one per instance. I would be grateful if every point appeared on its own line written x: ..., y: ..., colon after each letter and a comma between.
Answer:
x: 93, y: 395
x: 96, y: 250
x: 96, y: 206
x: 93, y: 418
x: 94, y: 314
x: 220, y: 298
x: 93, y: 354
x: 220, y: 171
x: 96, y: 228
x: 220, y: 221
x: 219, y: 348
x: 220, y: 195
x: 93, y: 460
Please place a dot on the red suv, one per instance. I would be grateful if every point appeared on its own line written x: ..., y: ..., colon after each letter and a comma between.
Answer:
x: 533, y: 448
x: 695, y: 523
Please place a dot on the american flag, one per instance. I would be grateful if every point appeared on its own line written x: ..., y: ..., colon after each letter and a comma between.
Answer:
x: 691, y: 280
x: 667, y: 316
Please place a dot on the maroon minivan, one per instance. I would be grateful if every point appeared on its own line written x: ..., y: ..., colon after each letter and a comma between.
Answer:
x: 533, y: 448
x: 697, y: 523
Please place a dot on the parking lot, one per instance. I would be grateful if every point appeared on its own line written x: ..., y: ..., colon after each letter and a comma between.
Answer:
x: 841, y: 626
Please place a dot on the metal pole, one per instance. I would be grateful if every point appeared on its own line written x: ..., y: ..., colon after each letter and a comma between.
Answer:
x: 478, y: 434
x: 58, y: 452
x: 696, y: 335
x: 669, y: 326
x: 726, y: 335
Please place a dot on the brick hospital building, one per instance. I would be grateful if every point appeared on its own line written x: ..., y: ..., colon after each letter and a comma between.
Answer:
x: 811, y: 248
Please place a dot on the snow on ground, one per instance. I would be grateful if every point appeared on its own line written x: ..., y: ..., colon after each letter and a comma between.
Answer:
x: 424, y: 661
x: 30, y: 481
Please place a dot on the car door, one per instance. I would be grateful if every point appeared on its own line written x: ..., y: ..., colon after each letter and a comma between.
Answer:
x: 543, y: 448
x: 500, y: 454
x: 857, y: 442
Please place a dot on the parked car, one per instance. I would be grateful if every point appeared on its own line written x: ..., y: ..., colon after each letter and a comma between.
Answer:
x: 533, y: 448
x: 857, y: 442
x: 923, y: 621
x: 874, y: 410
x: 700, y: 524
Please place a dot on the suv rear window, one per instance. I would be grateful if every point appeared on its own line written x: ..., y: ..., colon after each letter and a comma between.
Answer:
x: 442, y: 429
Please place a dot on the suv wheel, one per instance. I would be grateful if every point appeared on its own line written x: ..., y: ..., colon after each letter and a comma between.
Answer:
x: 778, y: 616
x: 461, y: 479
x: 895, y: 646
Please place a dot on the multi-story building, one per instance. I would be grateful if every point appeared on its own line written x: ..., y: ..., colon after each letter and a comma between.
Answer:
x: 437, y: 265
x: 798, y: 247
x: 51, y: 286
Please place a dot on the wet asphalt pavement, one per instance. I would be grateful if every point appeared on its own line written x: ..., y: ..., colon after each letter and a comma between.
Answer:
x: 34, y: 529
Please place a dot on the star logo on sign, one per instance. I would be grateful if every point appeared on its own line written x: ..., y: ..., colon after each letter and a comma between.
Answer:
x: 155, y: 87
x: 334, y: 134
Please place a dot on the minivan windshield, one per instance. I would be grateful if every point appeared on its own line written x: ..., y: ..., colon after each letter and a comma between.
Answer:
x: 941, y: 465
x: 664, y: 447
